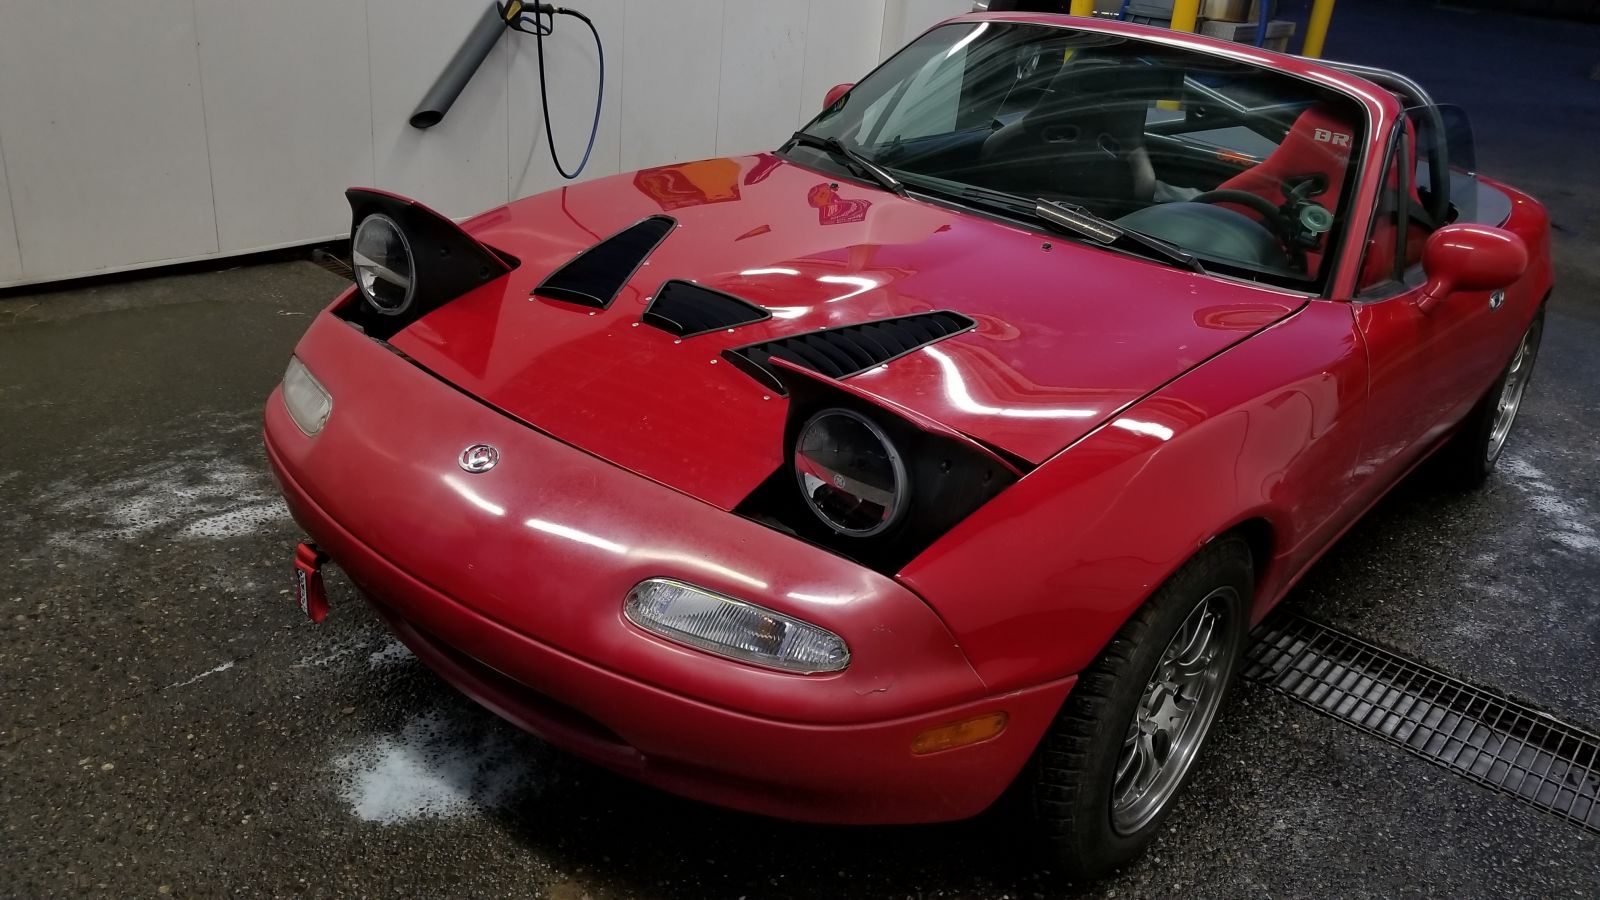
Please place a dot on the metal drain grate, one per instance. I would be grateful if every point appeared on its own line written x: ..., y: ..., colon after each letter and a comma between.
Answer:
x: 1470, y: 731
x: 332, y: 263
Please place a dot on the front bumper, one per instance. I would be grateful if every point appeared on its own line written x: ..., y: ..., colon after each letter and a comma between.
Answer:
x: 510, y: 586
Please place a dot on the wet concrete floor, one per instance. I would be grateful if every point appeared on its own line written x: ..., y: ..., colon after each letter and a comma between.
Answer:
x: 170, y: 724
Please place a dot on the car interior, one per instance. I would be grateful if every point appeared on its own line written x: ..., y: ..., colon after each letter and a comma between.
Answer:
x: 1242, y: 166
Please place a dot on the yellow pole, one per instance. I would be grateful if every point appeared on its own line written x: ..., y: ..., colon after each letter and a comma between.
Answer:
x: 1082, y: 7
x: 1185, y: 15
x: 1317, y: 27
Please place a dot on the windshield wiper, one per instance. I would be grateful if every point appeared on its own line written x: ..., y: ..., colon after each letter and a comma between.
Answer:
x: 853, y: 159
x: 1068, y: 218
x: 1081, y: 221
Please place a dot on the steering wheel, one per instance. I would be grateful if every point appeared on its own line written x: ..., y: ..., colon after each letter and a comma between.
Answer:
x: 1270, y: 215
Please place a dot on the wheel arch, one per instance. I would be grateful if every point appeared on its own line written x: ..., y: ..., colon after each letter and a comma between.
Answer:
x: 1257, y: 533
x: 1261, y: 538
x: 1257, y: 441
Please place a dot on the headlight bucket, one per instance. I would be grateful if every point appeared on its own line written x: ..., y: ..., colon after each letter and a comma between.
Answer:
x: 409, y: 260
x: 920, y: 481
x: 723, y: 626
x: 385, y: 269
x: 308, y: 402
x: 850, y: 472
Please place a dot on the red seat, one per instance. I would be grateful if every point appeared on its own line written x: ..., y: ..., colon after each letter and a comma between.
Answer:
x: 1319, y: 145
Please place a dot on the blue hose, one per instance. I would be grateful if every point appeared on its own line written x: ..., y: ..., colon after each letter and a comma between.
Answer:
x: 544, y: 95
x: 1261, y: 22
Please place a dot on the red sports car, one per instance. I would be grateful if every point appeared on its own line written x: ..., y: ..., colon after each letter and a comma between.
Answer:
x: 949, y: 451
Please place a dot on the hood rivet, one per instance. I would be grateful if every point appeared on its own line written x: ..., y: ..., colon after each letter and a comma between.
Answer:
x: 1046, y: 246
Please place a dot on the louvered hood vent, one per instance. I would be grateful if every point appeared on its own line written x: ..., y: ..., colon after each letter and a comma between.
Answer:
x: 851, y: 349
x: 595, y: 276
x: 686, y: 309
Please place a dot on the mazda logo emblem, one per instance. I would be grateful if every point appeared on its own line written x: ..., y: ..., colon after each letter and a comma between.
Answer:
x: 479, y: 458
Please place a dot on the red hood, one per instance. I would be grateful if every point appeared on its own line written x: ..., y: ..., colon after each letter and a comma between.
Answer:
x: 1066, y: 335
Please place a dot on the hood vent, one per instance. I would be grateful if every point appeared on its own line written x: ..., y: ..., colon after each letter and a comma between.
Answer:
x: 687, y: 309
x: 851, y: 349
x: 595, y: 276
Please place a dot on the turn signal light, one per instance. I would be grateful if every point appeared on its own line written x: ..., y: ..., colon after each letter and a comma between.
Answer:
x: 959, y: 734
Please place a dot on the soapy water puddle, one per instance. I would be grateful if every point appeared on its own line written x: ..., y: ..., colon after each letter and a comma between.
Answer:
x: 439, y: 765
x: 381, y: 651
x: 1563, y: 518
x: 191, y: 495
x: 1553, y: 531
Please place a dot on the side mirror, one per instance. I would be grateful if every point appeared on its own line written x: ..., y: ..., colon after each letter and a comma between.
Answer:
x: 1470, y: 258
x: 834, y: 93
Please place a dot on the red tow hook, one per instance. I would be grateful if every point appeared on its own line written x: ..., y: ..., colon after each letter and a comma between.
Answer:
x: 308, y: 589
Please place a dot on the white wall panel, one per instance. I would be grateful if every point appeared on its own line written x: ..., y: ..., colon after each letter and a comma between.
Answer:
x: 904, y: 20
x: 573, y: 68
x: 763, y: 62
x: 181, y: 129
x: 671, y: 82
x: 458, y: 166
x: 105, y: 134
x: 288, y: 115
x: 10, y: 256
x: 842, y: 41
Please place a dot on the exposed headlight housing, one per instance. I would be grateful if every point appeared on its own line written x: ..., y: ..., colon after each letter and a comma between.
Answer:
x: 733, y: 628
x: 384, y: 267
x: 850, y: 473
x: 867, y: 482
x: 308, y: 402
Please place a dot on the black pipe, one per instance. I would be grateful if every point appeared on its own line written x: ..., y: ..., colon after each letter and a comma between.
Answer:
x: 460, y: 69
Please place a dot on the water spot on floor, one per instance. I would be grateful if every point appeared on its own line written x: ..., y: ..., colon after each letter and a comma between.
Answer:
x: 393, y: 654
x: 1563, y: 517
x: 243, y: 520
x: 335, y: 651
x: 222, y: 668
x: 438, y: 766
x: 197, y: 495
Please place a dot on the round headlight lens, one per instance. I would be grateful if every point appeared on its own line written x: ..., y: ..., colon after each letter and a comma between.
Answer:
x: 383, y: 265
x: 850, y: 473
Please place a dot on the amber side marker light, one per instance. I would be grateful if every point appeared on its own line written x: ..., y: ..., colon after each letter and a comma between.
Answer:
x: 959, y: 734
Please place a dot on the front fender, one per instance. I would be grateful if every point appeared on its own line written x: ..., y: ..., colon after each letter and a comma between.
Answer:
x: 1036, y: 582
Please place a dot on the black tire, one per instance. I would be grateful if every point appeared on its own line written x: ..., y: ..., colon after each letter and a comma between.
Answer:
x: 1467, y: 460
x: 1065, y: 794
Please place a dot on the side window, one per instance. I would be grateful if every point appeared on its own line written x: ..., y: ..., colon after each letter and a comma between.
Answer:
x: 1383, y: 255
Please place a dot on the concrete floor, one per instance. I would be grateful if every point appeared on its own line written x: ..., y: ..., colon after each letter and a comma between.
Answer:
x: 170, y: 724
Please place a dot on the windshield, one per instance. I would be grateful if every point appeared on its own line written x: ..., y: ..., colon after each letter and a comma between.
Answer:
x: 1245, y: 168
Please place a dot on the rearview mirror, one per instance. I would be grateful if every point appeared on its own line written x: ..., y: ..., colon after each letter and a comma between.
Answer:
x: 1470, y: 258
x: 834, y: 93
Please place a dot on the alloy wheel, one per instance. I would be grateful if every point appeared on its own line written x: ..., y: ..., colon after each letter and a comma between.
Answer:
x: 1510, y: 401
x: 1175, y: 712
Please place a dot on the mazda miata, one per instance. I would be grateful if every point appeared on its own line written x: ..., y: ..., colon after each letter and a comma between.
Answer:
x: 944, y: 455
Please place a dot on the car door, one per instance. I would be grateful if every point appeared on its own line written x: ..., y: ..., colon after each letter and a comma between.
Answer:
x: 1427, y: 366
